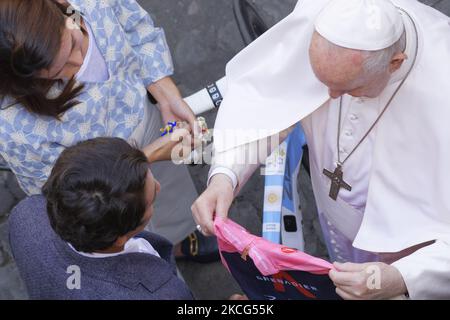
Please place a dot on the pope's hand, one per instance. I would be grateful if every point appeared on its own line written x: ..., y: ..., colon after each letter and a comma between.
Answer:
x: 215, y: 201
x: 373, y: 280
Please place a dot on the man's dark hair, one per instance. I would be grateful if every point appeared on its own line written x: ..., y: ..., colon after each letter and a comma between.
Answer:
x: 95, y: 193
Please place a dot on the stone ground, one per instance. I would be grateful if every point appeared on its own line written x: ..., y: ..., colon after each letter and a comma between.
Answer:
x: 203, y: 36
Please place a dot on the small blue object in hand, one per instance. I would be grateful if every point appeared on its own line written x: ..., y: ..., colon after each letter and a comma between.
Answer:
x: 168, y: 128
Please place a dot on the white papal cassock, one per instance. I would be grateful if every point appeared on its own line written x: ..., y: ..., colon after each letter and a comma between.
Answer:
x: 400, y: 174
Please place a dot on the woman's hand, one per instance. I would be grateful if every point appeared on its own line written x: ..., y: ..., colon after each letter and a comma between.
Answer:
x: 172, y: 146
x: 171, y: 104
x: 179, y: 110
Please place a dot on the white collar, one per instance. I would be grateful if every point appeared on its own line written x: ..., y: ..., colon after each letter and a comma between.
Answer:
x: 134, y: 245
x: 85, y: 64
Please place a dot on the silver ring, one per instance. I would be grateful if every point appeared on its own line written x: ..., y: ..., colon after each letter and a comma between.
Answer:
x: 199, y: 228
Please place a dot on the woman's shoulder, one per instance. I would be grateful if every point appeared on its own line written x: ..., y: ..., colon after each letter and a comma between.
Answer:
x: 120, y: 8
x: 89, y: 5
x: 20, y: 127
x: 13, y: 113
x: 10, y: 112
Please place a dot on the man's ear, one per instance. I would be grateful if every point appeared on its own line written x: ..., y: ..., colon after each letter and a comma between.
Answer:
x: 120, y: 242
x: 397, y: 61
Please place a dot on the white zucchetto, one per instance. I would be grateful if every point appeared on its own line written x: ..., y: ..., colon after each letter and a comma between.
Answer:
x: 360, y: 24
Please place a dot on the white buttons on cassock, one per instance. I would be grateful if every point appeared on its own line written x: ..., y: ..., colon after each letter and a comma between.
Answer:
x: 353, y: 117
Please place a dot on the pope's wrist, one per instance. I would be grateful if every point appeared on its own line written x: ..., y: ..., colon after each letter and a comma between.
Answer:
x: 401, y: 288
x: 223, y: 171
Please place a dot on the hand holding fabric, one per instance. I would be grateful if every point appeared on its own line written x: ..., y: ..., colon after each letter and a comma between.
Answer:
x: 215, y: 201
x: 367, y: 281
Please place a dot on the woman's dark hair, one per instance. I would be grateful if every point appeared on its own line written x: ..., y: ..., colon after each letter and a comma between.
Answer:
x: 30, y: 39
x: 96, y: 193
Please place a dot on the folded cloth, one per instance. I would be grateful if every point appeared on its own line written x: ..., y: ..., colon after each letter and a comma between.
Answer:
x: 269, y: 271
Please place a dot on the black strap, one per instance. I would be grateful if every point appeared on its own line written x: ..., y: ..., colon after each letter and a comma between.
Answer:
x: 215, y: 94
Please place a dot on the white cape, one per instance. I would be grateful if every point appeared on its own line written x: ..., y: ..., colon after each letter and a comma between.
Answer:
x: 271, y: 86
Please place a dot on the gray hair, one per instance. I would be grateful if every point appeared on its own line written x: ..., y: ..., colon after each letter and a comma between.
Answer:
x: 378, y: 61
x: 375, y: 62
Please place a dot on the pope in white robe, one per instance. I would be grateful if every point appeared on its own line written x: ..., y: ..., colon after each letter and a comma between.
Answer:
x: 380, y: 70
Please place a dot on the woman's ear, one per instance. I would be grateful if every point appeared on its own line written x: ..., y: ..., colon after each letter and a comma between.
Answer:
x: 397, y: 61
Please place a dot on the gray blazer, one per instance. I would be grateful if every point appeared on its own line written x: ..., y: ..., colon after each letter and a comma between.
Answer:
x: 49, y: 266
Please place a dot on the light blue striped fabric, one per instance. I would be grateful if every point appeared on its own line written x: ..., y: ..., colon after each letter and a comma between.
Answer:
x: 294, y: 156
x: 281, y: 185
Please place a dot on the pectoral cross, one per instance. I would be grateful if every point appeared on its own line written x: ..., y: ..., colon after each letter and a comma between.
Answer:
x: 337, y: 181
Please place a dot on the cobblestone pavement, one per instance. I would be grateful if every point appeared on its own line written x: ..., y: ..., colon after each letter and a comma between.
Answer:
x: 203, y: 36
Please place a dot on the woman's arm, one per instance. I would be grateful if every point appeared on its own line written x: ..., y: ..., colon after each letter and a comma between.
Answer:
x: 148, y: 41
x: 171, y: 104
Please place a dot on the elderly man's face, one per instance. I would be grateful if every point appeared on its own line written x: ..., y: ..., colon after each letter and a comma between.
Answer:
x: 341, y: 70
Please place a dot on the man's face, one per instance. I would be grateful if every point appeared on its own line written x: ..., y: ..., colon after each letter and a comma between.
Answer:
x: 341, y: 70
x: 152, y: 188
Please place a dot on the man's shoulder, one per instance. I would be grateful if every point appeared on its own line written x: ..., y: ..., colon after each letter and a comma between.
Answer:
x: 44, y: 258
x: 29, y: 218
x: 161, y: 244
x: 149, y: 276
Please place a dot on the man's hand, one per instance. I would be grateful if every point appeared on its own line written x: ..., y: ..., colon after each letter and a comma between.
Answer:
x: 216, y: 200
x: 366, y: 281
x: 163, y: 148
